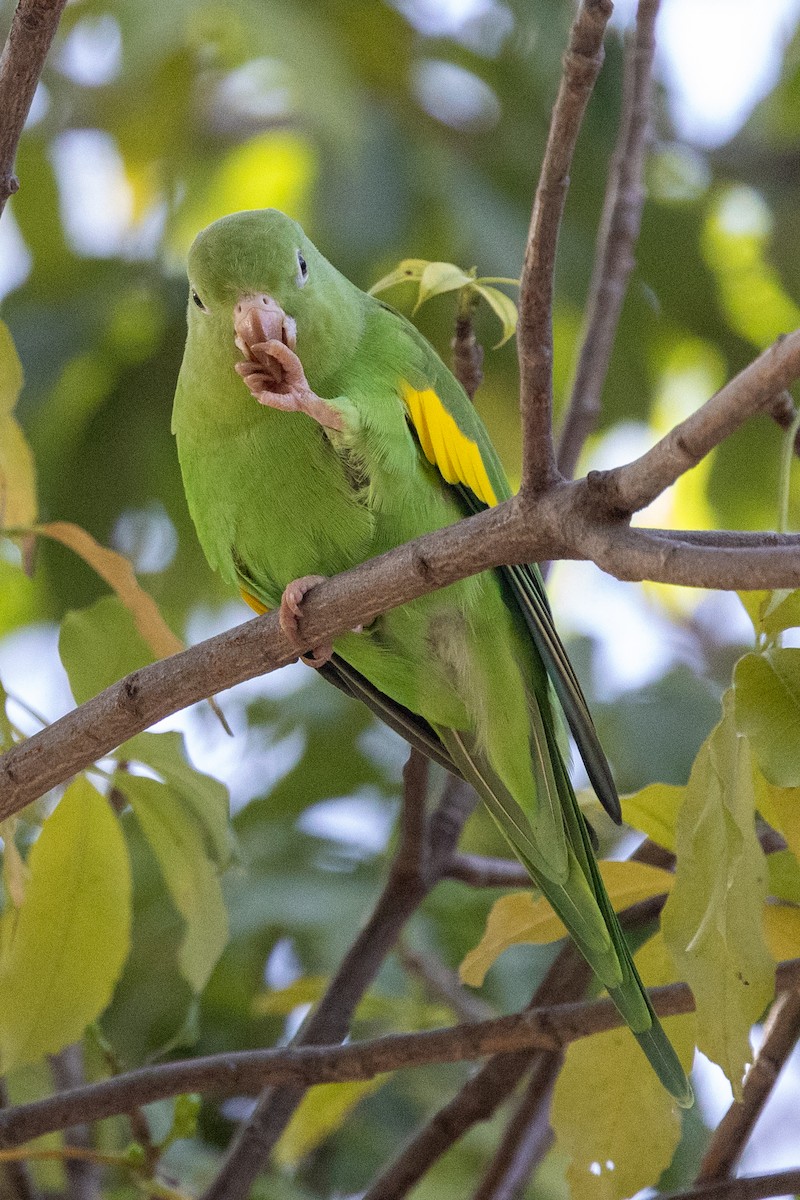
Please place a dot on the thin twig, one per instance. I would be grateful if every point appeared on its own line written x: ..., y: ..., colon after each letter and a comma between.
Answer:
x: 32, y: 30
x: 730, y: 1138
x: 618, y: 235
x: 443, y: 984
x: 526, y: 1140
x: 244, y: 1072
x: 80, y: 1168
x: 478, y: 871
x: 415, y: 870
x: 754, y: 1187
x: 582, y: 63
x: 631, y: 488
x: 467, y: 352
x: 15, y: 1177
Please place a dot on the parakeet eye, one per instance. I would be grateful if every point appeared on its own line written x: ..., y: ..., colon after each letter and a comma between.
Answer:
x: 198, y: 301
x: 302, y: 270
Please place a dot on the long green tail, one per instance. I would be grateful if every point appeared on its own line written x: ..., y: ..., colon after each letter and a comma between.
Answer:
x: 579, y: 898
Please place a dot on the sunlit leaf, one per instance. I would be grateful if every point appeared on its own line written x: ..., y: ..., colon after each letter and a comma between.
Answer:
x: 118, y: 573
x: 438, y: 278
x: 408, y: 271
x: 782, y: 931
x: 99, y: 645
x: 503, y: 306
x: 205, y: 796
x: 172, y: 831
x: 320, y: 1113
x: 610, y: 1159
x: 768, y: 711
x: 754, y: 604
x: 399, y: 1012
x: 713, y: 919
x: 655, y: 810
x: 521, y: 918
x: 17, y: 471
x: 65, y: 948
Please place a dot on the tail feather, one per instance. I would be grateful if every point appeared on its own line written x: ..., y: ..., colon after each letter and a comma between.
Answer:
x: 580, y: 900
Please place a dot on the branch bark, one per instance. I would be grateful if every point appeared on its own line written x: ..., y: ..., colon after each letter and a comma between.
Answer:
x: 32, y: 30
x: 756, y: 1187
x: 582, y: 63
x: 619, y: 232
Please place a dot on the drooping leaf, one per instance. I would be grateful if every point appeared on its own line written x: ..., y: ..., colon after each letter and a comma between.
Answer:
x: 780, y: 806
x: 503, y: 306
x: 64, y: 950
x: 17, y: 470
x: 321, y: 1112
x: 654, y: 810
x: 118, y: 573
x: 754, y: 604
x: 408, y: 271
x: 607, y: 1094
x: 99, y: 645
x: 713, y: 919
x: 438, y: 278
x: 521, y: 918
x: 178, y: 843
x: 768, y: 711
x: 781, y: 611
x: 205, y: 796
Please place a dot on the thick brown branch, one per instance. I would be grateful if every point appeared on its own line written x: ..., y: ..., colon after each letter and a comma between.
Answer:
x: 32, y: 29
x: 730, y: 1138
x: 619, y: 233
x: 562, y: 523
x: 582, y: 63
x: 628, y: 489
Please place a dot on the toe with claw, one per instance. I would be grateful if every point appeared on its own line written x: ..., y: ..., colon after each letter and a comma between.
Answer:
x: 291, y: 602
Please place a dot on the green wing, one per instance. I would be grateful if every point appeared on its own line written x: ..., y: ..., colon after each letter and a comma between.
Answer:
x: 453, y: 438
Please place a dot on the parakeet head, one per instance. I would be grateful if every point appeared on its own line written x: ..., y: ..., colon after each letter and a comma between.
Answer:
x: 260, y: 267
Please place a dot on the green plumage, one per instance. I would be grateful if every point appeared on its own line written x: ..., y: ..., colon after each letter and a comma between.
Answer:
x: 474, y: 673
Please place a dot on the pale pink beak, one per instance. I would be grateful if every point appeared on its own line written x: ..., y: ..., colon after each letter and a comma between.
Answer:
x: 258, y: 319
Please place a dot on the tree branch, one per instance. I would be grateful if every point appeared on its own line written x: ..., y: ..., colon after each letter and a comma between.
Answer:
x: 619, y: 232
x: 32, y: 29
x: 526, y: 1140
x: 477, y: 871
x: 756, y: 1187
x: 730, y: 1138
x: 582, y: 63
x: 416, y: 869
x: 629, y: 489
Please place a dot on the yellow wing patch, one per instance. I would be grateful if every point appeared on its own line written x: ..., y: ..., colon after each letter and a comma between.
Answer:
x: 255, y: 604
x: 456, y: 456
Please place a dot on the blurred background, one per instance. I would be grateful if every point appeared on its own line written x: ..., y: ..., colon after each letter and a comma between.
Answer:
x: 390, y: 130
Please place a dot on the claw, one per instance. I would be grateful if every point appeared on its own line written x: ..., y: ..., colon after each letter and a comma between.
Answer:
x: 290, y: 611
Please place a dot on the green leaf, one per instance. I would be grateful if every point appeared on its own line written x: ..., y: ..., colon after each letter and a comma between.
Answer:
x: 205, y: 796
x: 768, y: 711
x: 610, y: 1159
x: 503, y: 306
x: 320, y: 1113
x: 6, y: 728
x: 519, y: 917
x: 438, y: 278
x: 780, y: 807
x: 655, y: 810
x: 713, y: 919
x: 754, y: 604
x: 782, y: 611
x: 408, y: 271
x: 177, y: 840
x: 65, y: 949
x: 783, y: 872
x: 17, y: 471
x: 99, y: 645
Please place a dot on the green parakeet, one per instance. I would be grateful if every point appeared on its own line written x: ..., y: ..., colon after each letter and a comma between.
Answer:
x: 316, y: 427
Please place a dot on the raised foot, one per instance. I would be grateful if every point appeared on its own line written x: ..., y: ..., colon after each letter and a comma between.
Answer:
x: 291, y: 602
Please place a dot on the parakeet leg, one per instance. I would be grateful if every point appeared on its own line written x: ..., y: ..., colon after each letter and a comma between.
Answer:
x: 291, y: 600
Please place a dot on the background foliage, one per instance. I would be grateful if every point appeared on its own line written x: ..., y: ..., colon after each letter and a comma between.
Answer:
x: 389, y: 131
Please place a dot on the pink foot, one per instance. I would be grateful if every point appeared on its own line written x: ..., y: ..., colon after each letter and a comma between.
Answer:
x: 291, y: 602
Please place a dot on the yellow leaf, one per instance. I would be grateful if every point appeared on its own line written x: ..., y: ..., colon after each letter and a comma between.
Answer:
x: 780, y: 807
x: 521, y: 918
x: 17, y: 473
x: 438, y: 278
x: 118, y: 574
x: 65, y: 950
x: 754, y: 604
x: 655, y: 810
x: 713, y: 919
x: 504, y: 307
x: 782, y: 931
x: 408, y: 271
x: 610, y: 1157
x: 320, y: 1113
